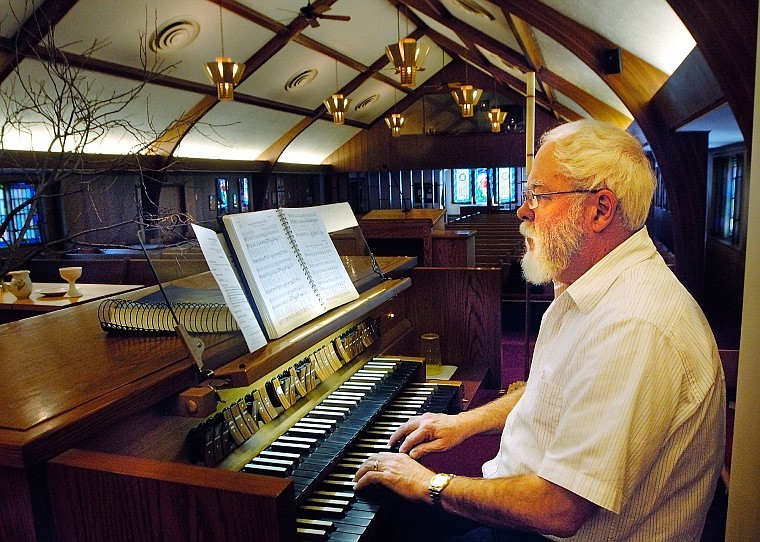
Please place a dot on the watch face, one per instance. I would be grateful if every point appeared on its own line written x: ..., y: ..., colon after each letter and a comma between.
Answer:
x: 438, y: 480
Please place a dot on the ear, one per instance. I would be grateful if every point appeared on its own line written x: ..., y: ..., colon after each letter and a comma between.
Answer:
x: 605, y: 209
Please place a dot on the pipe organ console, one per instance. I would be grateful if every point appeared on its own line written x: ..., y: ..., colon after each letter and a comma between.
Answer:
x: 135, y: 457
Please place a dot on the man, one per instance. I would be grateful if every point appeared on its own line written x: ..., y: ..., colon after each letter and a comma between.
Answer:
x: 619, y: 432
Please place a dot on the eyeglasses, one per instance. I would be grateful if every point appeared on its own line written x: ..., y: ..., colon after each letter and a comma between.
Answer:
x: 532, y: 198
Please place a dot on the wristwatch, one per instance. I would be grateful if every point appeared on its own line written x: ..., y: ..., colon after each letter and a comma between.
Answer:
x: 437, y: 484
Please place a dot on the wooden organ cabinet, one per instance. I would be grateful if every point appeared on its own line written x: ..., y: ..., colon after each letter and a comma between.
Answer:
x: 97, y: 435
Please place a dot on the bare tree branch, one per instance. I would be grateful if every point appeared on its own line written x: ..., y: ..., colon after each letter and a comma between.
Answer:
x: 50, y: 95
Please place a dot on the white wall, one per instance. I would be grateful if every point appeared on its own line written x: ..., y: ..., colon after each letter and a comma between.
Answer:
x: 743, y: 522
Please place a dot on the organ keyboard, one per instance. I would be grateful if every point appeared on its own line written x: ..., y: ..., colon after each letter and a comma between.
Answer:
x: 101, y: 439
x: 320, y: 450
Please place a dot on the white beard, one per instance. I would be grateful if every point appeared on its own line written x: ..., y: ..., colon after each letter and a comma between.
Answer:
x: 552, y: 250
x: 535, y: 267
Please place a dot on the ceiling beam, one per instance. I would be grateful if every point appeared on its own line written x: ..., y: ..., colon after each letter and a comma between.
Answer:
x: 273, y: 153
x: 588, y: 102
x: 635, y: 85
x: 170, y: 139
x: 527, y: 40
x: 727, y: 41
x: 31, y: 32
x: 467, y: 33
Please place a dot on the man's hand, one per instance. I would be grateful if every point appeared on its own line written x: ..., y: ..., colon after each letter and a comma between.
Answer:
x: 398, y: 472
x: 428, y: 433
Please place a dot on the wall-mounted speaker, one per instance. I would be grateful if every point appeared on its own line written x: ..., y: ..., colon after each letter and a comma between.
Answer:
x: 612, y: 61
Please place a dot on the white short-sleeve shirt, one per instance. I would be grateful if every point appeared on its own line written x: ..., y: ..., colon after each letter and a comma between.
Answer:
x: 625, y: 404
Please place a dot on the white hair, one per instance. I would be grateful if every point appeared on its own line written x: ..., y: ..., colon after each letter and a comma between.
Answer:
x: 594, y: 154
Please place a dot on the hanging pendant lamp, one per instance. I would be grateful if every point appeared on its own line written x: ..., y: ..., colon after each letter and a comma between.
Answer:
x: 407, y: 57
x: 337, y: 104
x: 223, y: 72
x: 466, y: 96
x: 395, y: 121
x: 496, y: 117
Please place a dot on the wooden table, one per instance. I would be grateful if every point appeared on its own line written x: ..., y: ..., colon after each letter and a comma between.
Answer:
x: 12, y: 309
x: 385, y: 228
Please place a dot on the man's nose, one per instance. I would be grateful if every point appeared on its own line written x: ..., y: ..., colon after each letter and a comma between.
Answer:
x: 524, y: 212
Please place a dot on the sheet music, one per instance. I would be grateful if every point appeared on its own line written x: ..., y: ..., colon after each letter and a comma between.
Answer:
x: 320, y: 257
x: 234, y: 296
x: 276, y: 272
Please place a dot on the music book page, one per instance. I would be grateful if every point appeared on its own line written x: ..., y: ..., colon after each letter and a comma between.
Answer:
x: 234, y: 296
x: 310, y: 235
x: 290, y: 265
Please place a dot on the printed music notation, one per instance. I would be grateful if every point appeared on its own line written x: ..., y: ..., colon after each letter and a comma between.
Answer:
x: 289, y: 266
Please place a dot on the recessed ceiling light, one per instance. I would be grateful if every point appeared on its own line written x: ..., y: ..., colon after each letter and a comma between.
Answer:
x: 301, y: 78
x: 174, y: 34
x: 367, y: 102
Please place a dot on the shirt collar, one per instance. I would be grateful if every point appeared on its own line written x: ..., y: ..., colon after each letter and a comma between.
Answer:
x: 589, y: 289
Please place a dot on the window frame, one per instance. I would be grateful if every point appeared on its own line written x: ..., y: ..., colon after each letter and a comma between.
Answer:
x: 12, y: 193
x: 727, y: 182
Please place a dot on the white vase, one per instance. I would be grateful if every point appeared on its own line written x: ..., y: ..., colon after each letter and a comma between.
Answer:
x: 20, y: 284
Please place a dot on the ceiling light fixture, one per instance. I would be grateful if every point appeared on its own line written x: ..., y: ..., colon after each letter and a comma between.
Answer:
x: 223, y: 72
x: 396, y: 120
x: 496, y: 117
x: 406, y: 55
x: 336, y: 104
x: 466, y: 96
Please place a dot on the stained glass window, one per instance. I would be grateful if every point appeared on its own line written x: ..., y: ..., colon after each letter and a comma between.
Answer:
x: 11, y: 196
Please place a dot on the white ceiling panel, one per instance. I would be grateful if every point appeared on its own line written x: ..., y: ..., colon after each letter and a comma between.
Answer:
x: 236, y: 131
x: 502, y: 64
x: 647, y: 28
x: 93, y: 20
x: 349, y: 38
x: 372, y: 98
x: 720, y: 125
x: 13, y: 13
x: 440, y: 28
x: 282, y: 11
x: 568, y: 66
x: 270, y: 81
x: 570, y: 104
x: 318, y: 142
x: 133, y: 122
x: 484, y: 17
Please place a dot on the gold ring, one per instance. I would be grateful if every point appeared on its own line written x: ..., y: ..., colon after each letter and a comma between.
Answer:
x: 376, y: 465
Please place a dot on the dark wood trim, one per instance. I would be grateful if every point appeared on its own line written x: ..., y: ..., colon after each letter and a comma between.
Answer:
x: 31, y: 32
x: 726, y: 34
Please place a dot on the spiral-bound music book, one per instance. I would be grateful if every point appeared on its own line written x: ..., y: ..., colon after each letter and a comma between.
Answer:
x: 289, y: 264
x: 198, y: 310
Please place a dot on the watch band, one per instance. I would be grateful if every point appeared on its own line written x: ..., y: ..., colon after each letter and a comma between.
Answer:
x: 437, y: 484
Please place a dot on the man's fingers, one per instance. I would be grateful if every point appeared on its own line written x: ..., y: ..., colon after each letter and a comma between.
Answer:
x: 403, y: 431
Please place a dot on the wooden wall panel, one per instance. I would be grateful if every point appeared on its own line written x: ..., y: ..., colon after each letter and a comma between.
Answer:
x: 374, y: 149
x: 98, y: 497
x: 462, y: 305
x: 691, y: 91
x: 726, y: 33
x: 15, y: 506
